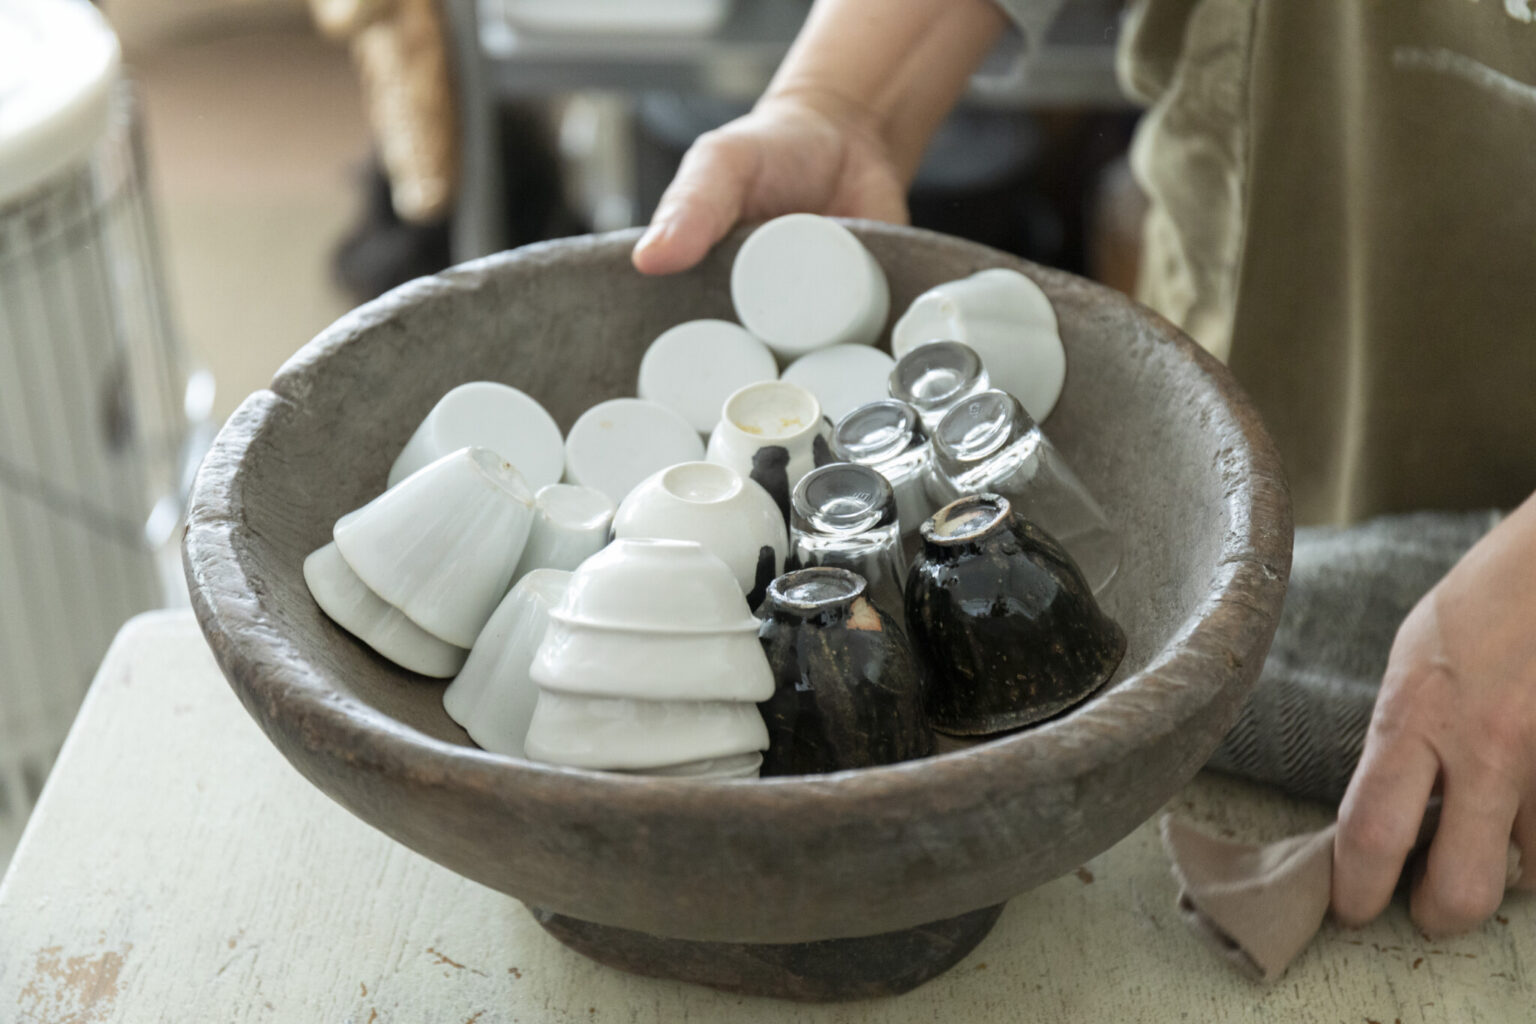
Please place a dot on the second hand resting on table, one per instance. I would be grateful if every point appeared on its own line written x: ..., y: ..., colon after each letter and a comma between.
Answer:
x: 840, y: 132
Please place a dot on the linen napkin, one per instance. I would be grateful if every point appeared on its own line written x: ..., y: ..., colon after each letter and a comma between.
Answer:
x: 1259, y: 904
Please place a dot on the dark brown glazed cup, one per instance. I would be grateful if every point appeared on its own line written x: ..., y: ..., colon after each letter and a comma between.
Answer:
x: 848, y: 690
x: 1153, y: 425
x: 1004, y: 620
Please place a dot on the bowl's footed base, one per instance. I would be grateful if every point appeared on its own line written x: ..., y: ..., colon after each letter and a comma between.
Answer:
x: 827, y: 970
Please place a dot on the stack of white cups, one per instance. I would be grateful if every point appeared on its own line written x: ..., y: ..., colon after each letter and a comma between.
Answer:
x: 416, y: 572
x: 651, y: 664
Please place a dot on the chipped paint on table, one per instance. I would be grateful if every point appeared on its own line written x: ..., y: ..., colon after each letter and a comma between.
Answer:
x: 177, y: 869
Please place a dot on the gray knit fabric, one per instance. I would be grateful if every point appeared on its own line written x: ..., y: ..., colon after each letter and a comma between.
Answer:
x: 1303, y: 727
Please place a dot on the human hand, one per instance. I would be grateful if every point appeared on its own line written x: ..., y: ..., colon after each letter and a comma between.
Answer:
x: 792, y: 153
x: 1457, y: 711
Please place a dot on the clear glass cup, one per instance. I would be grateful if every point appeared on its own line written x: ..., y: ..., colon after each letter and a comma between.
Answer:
x: 989, y: 443
x: 888, y: 437
x: 933, y: 378
x: 844, y: 515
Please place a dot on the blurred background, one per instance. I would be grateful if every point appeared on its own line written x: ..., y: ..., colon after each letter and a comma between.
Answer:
x: 258, y: 167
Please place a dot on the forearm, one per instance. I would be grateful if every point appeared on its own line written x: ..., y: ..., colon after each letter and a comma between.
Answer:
x: 893, y: 67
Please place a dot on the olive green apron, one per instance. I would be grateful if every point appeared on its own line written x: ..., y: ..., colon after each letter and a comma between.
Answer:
x: 1344, y: 206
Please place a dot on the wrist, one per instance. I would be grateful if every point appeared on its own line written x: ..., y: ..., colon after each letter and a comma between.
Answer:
x: 825, y: 102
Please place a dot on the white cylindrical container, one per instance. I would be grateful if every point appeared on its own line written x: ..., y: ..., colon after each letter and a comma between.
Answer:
x: 842, y: 377
x: 96, y: 412
x: 803, y: 282
x: 487, y: 414
x: 618, y: 443
x: 694, y: 367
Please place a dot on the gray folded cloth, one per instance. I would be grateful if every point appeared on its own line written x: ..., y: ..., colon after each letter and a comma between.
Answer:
x: 1304, y: 724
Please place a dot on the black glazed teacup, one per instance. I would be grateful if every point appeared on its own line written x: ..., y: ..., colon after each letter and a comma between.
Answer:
x: 848, y: 691
x: 1001, y: 615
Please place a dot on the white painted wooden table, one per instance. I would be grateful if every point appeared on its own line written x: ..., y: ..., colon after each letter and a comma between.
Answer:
x: 177, y: 869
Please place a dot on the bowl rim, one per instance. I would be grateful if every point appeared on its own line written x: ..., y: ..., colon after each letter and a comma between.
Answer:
x: 295, y: 703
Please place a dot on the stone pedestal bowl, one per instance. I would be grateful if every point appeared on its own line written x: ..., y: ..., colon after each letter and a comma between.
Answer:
x: 839, y: 886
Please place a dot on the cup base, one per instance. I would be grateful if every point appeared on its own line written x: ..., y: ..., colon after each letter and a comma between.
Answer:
x: 827, y: 970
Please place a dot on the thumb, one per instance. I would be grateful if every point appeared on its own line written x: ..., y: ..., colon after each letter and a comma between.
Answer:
x: 703, y: 202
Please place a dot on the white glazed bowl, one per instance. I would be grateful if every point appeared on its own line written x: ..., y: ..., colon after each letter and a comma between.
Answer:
x: 803, y: 282
x: 656, y: 585
x: 728, y: 514
x: 493, y: 696
x: 652, y: 665
x: 442, y: 545
x: 570, y: 525
x: 485, y: 414
x: 609, y: 733
x: 367, y: 616
x: 718, y: 769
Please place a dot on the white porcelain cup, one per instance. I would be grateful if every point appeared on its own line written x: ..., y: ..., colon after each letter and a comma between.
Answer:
x: 803, y: 282
x: 1010, y: 323
x: 730, y: 515
x: 657, y: 620
x: 773, y: 432
x: 493, y: 696
x: 842, y: 377
x: 485, y: 414
x: 616, y: 444
x: 367, y: 616
x: 442, y: 545
x: 714, y: 769
x: 694, y: 367
x: 570, y: 524
x: 632, y: 735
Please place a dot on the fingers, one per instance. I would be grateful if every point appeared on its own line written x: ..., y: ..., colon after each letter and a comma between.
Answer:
x: 699, y: 207
x: 1379, y: 822
x: 1463, y: 880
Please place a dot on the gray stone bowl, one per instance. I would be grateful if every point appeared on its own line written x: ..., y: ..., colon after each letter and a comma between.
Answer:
x: 857, y: 883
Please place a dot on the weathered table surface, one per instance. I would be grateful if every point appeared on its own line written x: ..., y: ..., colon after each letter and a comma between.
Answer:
x: 177, y: 869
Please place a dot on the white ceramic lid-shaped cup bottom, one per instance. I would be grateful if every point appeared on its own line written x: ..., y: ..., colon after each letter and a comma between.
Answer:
x: 486, y: 414
x: 610, y: 733
x: 442, y: 546
x: 618, y: 443
x: 361, y: 612
x: 493, y: 696
x: 694, y: 367
x: 803, y: 282
x: 842, y: 377
x: 570, y: 525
